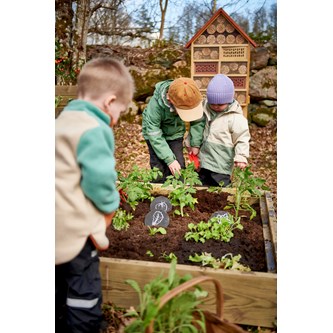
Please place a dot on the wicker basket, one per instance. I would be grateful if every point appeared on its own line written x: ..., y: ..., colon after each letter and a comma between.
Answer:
x: 214, y: 322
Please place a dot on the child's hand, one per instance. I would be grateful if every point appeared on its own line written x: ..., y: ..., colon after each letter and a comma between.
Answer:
x: 174, y: 167
x: 195, y: 150
x: 108, y: 219
x: 241, y: 165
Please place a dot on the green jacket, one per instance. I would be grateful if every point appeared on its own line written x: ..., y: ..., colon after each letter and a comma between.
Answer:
x: 161, y: 123
x: 225, y: 139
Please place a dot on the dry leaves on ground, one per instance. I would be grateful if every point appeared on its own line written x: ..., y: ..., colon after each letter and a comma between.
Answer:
x: 131, y: 149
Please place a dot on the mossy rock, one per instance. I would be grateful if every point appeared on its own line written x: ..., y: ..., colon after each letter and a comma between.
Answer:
x: 262, y: 116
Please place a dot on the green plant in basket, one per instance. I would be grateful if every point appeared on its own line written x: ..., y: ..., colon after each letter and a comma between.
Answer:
x: 183, y: 185
x: 245, y: 185
x: 137, y: 185
x: 175, y: 316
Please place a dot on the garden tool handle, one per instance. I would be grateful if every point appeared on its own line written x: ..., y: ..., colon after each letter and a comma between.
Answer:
x: 189, y: 284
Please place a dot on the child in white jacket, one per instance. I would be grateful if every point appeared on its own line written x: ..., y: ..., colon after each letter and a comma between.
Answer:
x: 226, y: 136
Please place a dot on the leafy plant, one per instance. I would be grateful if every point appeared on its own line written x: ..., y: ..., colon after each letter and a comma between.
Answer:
x: 65, y: 70
x: 175, y: 316
x: 216, y: 189
x: 245, y: 185
x: 218, y: 228
x: 169, y: 257
x: 154, y: 231
x: 228, y: 261
x: 149, y: 253
x: 137, y: 184
x: 58, y: 100
x: 120, y: 219
x: 183, y: 187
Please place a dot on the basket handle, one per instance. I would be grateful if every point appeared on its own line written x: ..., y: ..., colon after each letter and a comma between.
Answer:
x: 186, y: 285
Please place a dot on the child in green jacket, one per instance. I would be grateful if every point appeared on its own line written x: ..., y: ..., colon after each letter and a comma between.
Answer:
x: 86, y: 196
x: 226, y: 136
x: 163, y: 123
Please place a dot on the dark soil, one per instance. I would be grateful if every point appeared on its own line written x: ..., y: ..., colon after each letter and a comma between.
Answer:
x: 136, y: 241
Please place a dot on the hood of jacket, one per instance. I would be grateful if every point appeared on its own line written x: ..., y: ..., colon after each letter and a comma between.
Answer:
x: 160, y: 93
x: 234, y: 107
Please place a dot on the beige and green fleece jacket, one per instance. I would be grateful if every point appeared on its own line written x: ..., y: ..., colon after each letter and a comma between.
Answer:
x: 225, y: 139
x: 85, y: 178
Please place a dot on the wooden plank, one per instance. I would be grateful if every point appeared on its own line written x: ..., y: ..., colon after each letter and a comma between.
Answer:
x: 272, y: 221
x: 270, y: 257
x: 250, y: 297
x: 66, y: 91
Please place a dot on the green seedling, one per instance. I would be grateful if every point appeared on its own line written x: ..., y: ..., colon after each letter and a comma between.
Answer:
x: 149, y: 253
x: 228, y: 261
x: 183, y: 188
x: 154, y: 231
x: 137, y: 185
x: 58, y: 100
x: 176, y: 316
x: 169, y: 257
x: 216, y: 189
x: 218, y: 228
x: 120, y: 219
x: 246, y: 185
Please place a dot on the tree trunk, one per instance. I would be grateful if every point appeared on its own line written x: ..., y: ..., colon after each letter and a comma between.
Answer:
x: 163, y: 8
x: 63, y: 32
x: 83, y: 13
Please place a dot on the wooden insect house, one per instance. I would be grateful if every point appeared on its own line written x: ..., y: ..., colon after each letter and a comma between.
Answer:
x: 221, y: 46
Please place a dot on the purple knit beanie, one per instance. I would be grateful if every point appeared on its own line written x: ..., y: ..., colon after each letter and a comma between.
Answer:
x: 220, y: 90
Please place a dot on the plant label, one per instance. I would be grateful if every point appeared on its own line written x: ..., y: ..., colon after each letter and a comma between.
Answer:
x: 157, y: 218
x: 161, y: 203
x: 220, y: 214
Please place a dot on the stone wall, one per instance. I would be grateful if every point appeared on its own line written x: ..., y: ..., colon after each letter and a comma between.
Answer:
x: 263, y: 85
x: 161, y: 62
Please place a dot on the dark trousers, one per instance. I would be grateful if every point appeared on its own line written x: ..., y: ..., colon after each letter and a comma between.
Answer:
x: 177, y: 148
x: 78, y: 293
x: 210, y: 178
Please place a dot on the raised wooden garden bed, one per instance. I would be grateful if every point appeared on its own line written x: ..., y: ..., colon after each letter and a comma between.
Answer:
x: 250, y: 297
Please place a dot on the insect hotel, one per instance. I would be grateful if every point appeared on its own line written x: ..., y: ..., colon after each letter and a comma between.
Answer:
x: 221, y: 47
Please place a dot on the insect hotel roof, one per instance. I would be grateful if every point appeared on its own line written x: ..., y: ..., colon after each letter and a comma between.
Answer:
x: 222, y: 46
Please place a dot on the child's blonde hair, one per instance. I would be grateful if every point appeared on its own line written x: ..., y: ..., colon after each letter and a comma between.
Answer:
x: 103, y: 75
